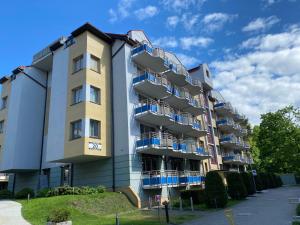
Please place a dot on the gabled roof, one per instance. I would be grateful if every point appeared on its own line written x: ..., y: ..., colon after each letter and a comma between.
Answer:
x: 89, y: 27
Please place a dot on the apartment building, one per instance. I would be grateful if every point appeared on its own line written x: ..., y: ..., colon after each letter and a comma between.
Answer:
x: 98, y: 108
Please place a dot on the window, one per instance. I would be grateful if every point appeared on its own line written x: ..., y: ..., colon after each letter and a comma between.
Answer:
x: 95, y: 94
x: 95, y: 64
x: 78, y: 63
x: 77, y: 95
x: 207, y: 74
x: 194, y: 165
x: 4, y: 102
x: 94, y: 129
x: 1, y: 126
x: 76, y: 130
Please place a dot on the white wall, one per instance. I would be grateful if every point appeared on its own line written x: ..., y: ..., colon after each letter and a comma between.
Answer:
x: 24, y: 124
x: 58, y: 103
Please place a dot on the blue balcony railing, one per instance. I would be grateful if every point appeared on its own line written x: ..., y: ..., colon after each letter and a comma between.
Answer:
x: 141, y: 48
x: 147, y: 107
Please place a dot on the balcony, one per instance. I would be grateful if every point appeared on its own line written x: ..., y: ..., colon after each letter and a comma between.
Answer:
x: 179, y: 76
x: 157, y: 179
x: 238, y: 117
x: 181, y: 99
x: 234, y: 159
x: 150, y: 58
x: 224, y: 109
x: 247, y: 145
x: 226, y: 125
x: 152, y: 85
x: 156, y: 143
x: 185, y: 123
x: 152, y: 112
x: 232, y: 142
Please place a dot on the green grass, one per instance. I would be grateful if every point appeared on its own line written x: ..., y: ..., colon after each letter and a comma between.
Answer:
x: 98, y: 209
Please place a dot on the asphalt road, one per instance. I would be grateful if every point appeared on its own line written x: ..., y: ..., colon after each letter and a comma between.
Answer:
x: 268, y: 208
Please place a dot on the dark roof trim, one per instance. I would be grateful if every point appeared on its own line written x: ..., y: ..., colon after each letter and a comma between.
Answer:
x: 3, y: 79
x: 56, y: 45
x: 194, y: 69
x: 18, y: 69
x: 123, y: 37
x: 93, y: 30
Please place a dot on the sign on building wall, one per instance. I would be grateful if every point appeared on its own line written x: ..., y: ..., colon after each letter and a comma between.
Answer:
x: 95, y: 146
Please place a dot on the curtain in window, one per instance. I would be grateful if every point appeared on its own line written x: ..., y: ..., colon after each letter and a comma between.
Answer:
x: 94, y: 95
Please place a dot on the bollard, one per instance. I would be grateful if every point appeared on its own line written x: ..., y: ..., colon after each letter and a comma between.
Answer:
x: 117, y: 219
x: 28, y: 197
x: 180, y: 203
x: 192, y: 204
x: 167, y: 211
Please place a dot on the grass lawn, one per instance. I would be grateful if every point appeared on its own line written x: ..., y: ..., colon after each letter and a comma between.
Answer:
x: 98, y: 209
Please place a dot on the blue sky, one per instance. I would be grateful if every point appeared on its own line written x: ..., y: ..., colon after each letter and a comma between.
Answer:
x: 252, y: 47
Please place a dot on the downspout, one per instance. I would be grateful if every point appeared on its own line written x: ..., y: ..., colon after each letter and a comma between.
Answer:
x: 44, y: 119
x: 112, y: 119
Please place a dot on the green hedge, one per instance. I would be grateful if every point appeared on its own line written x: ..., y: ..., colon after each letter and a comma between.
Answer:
x: 197, y: 195
x: 24, y: 193
x: 67, y: 190
x: 248, y: 181
x: 258, y: 182
x: 215, y: 192
x: 236, y: 186
x: 298, y: 210
x: 5, y: 194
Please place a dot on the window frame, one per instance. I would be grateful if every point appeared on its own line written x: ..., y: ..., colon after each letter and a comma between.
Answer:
x: 99, y: 94
x: 4, y: 100
x: 1, y: 126
x: 73, y: 91
x: 99, y: 129
x: 80, y: 57
x: 98, y: 61
x: 72, y: 137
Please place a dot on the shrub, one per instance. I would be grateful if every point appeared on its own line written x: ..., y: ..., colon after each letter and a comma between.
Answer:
x: 24, y: 193
x: 67, y: 190
x: 278, y: 181
x: 5, y: 194
x: 258, y: 182
x: 43, y: 192
x: 197, y: 195
x: 248, y: 181
x: 298, y: 210
x: 215, y: 192
x: 236, y: 186
x: 296, y: 223
x: 58, y: 215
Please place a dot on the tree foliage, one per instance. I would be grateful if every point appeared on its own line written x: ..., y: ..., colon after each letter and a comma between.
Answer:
x: 276, y: 142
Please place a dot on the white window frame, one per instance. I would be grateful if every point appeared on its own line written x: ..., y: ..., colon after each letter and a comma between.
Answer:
x: 92, y: 130
x: 79, y: 129
x: 77, y: 63
x: 95, y: 90
x: 95, y: 63
x: 74, y: 95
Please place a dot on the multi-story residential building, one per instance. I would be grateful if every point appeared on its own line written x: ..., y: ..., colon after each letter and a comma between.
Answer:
x: 97, y: 108
x: 233, y: 132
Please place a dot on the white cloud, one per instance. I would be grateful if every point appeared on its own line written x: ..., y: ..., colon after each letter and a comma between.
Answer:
x: 189, y: 20
x: 188, y: 42
x: 122, y: 11
x: 180, y: 5
x: 186, y: 60
x: 166, y: 42
x: 261, y: 24
x: 172, y: 21
x: 264, y: 79
x: 215, y: 21
x: 146, y: 12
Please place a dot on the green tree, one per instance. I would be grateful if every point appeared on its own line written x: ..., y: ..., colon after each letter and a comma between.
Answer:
x: 278, y: 141
x: 255, y: 152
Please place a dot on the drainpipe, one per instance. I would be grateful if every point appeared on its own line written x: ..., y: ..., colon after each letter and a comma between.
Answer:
x: 44, y: 119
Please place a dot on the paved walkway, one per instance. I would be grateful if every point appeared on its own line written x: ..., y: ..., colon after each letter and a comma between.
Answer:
x: 268, y: 208
x: 10, y: 213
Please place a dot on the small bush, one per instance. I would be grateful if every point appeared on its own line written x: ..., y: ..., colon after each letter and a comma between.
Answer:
x: 67, y: 190
x: 278, y: 181
x: 24, y: 193
x: 5, y: 194
x: 43, y: 192
x: 197, y: 195
x: 298, y: 210
x: 215, y: 192
x: 296, y: 223
x: 185, y: 203
x: 236, y: 186
x: 258, y: 182
x: 248, y: 181
x: 58, y: 215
